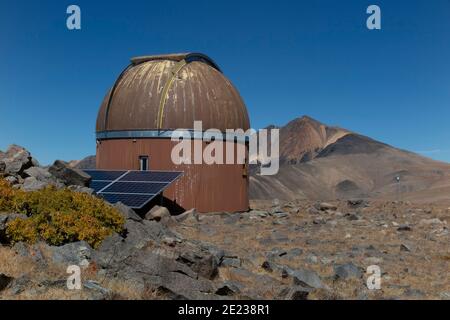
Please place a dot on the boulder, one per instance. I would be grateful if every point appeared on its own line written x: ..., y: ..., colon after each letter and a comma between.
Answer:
x: 157, y: 213
x: 357, y: 203
x: 216, y: 252
x: 192, y: 213
x: 229, y: 288
x: 295, y: 293
x: 185, y: 286
x: 108, y: 251
x: 280, y: 215
x: 274, y: 210
x: 324, y: 206
x: 268, y: 266
x: 319, y: 220
x: 231, y: 262
x: 100, y: 293
x: 116, y: 248
x: 12, y: 180
x: 127, y: 212
x: 19, y: 285
x: 69, y: 176
x: 140, y: 257
x: 352, y: 216
x: 158, y: 270
x: 303, y: 277
x: 171, y: 242
x: 347, y: 271
x: 32, y: 184
x: 16, y: 159
x: 295, y: 252
x: 139, y: 234
x: 313, y: 210
x: 160, y: 214
x: 39, y: 173
x: 199, y: 260
x: 5, y: 281
x: 259, y: 213
x: 404, y: 227
x: 32, y: 251
x: 75, y: 253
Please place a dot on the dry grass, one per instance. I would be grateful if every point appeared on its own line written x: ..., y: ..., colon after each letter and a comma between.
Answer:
x: 424, y: 269
x: 374, y: 239
x: 16, y: 266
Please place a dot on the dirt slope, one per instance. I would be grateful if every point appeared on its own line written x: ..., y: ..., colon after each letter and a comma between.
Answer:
x: 336, y: 163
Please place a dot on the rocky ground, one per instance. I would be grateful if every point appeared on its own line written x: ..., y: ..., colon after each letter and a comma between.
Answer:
x: 278, y: 250
x: 332, y: 245
x: 282, y: 251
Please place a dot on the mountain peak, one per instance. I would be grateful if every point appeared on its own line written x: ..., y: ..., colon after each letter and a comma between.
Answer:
x: 346, y: 165
x: 306, y: 118
x: 303, y: 138
x: 303, y: 120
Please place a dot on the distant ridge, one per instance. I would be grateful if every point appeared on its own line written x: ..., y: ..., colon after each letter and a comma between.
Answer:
x: 320, y: 162
x: 86, y: 163
x: 303, y: 138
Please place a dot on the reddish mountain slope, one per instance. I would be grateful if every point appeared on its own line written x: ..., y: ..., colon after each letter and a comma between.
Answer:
x: 321, y: 162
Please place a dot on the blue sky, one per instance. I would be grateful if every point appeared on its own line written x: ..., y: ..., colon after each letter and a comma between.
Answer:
x: 287, y: 58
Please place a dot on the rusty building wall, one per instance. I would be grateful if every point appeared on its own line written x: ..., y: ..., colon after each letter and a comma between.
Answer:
x: 208, y: 188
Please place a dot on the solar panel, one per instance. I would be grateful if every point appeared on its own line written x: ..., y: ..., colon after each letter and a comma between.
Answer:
x: 135, y: 201
x: 133, y: 188
x: 98, y: 185
x: 161, y: 176
x: 105, y: 175
x: 136, y: 187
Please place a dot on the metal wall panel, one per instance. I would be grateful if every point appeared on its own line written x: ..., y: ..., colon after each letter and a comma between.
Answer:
x: 208, y: 188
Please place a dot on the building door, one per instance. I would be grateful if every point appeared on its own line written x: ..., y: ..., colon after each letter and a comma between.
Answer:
x: 143, y: 163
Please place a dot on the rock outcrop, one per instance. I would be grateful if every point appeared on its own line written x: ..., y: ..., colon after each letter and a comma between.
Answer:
x: 69, y: 176
x: 19, y: 168
x: 15, y: 160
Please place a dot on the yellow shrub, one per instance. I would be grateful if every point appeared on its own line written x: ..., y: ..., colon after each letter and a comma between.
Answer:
x: 22, y: 230
x: 6, y: 195
x: 58, y: 216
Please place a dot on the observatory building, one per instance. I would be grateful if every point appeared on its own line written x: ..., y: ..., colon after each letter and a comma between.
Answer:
x: 156, y: 95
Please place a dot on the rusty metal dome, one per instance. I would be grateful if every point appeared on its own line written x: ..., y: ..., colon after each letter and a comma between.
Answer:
x: 168, y: 92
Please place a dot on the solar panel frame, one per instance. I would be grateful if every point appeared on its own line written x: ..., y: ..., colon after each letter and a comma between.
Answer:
x: 105, y: 175
x: 135, y: 187
x: 151, y: 176
x: 145, y: 185
x: 134, y: 201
